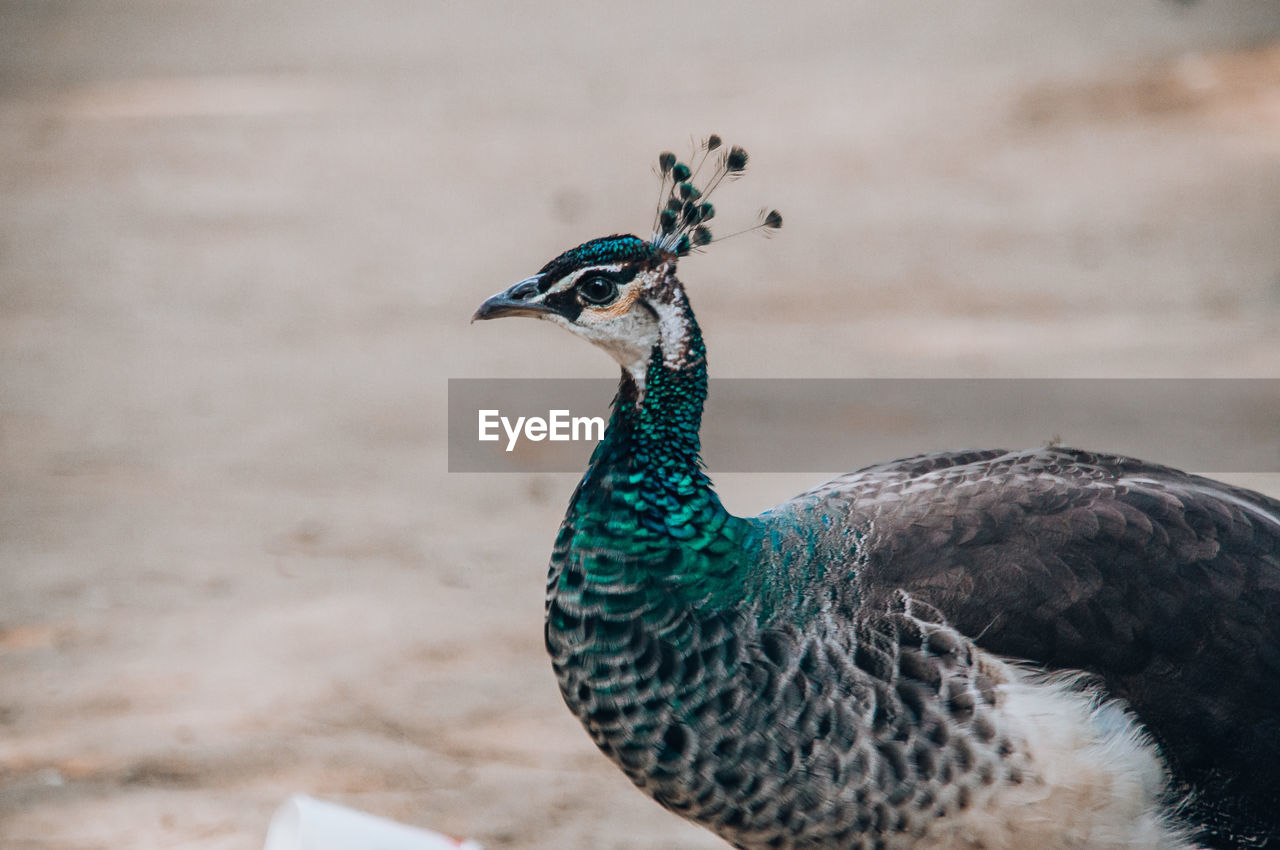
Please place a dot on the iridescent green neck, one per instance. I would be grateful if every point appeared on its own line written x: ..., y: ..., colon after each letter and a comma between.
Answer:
x: 645, y: 507
x: 645, y: 530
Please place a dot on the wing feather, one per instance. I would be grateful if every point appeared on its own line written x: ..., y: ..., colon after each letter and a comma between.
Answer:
x: 1165, y: 585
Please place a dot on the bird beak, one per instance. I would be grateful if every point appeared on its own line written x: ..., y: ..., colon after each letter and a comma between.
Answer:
x: 516, y: 301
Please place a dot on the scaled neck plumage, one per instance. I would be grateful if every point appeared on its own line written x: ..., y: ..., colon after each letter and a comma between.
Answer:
x: 653, y: 442
x: 645, y: 500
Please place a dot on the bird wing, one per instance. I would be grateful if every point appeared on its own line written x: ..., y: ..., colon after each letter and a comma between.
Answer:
x: 1163, y: 584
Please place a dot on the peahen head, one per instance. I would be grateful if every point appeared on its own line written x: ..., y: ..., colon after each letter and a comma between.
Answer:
x: 621, y: 292
x: 613, y: 292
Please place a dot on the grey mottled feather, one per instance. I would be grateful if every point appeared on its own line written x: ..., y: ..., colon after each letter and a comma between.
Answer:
x: 1165, y: 585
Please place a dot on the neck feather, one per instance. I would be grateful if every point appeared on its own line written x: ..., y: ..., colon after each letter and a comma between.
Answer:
x: 645, y: 500
x: 651, y: 450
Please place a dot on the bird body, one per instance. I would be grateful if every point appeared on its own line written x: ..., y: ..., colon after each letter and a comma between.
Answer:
x: 972, y: 650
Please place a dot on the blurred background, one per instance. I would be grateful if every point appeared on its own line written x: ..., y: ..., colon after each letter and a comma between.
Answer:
x: 240, y: 242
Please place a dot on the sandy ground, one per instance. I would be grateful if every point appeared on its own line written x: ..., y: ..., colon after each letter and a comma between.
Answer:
x: 239, y: 245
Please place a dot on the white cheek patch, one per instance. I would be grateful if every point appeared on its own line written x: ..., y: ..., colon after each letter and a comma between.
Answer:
x: 629, y: 338
x: 628, y: 330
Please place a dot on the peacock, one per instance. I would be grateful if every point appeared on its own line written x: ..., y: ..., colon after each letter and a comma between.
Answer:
x: 1049, y: 648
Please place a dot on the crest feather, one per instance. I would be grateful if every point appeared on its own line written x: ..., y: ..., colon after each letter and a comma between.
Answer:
x: 680, y: 223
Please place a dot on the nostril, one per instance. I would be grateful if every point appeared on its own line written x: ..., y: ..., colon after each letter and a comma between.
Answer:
x: 524, y: 290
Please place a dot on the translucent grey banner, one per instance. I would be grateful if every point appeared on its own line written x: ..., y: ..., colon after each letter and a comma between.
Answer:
x: 784, y: 425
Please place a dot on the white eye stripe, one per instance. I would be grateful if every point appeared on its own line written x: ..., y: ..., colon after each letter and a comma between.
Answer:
x: 572, y: 278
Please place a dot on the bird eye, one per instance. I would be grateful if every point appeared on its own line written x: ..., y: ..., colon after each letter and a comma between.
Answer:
x: 598, y: 290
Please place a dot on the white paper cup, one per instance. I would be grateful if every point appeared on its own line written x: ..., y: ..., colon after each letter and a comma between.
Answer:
x: 305, y: 823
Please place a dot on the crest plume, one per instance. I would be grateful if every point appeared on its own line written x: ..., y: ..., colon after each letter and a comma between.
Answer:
x: 680, y: 223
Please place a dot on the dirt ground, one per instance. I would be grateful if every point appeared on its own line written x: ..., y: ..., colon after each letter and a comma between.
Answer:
x: 239, y: 246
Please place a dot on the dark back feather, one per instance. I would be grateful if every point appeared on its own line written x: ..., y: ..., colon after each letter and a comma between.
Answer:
x: 1164, y: 585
